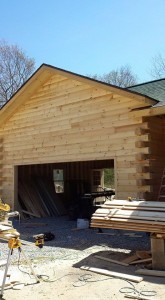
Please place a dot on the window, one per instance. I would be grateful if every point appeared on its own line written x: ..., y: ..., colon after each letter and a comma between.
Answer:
x: 58, y: 178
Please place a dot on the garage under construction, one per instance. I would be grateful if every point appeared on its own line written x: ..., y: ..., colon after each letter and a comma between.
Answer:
x: 61, y: 130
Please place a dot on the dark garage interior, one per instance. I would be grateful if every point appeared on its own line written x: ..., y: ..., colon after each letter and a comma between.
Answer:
x: 57, y: 189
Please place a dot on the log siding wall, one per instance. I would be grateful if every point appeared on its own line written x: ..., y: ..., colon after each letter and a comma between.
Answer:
x: 67, y: 121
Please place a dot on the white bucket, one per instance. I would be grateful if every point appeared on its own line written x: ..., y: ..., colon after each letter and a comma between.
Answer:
x: 82, y: 223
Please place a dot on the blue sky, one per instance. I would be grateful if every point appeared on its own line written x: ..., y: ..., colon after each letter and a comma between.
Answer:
x: 87, y: 36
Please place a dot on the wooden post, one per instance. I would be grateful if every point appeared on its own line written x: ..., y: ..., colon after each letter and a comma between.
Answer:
x: 158, y: 253
x: 15, y: 204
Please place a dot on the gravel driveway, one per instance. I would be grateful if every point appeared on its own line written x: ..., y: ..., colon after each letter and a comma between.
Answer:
x: 58, y: 262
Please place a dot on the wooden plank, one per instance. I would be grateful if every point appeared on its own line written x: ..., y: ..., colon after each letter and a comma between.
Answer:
x: 129, y: 259
x: 129, y: 226
x: 111, y: 260
x: 124, y: 213
x: 143, y: 254
x: 150, y: 272
x: 133, y: 208
x: 129, y: 220
x: 135, y: 203
x: 140, y: 261
x: 113, y: 274
x: 132, y: 227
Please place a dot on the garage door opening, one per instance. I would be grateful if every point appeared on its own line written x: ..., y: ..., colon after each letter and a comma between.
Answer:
x: 70, y: 188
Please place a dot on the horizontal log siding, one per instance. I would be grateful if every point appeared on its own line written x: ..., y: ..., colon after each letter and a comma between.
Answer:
x: 66, y: 121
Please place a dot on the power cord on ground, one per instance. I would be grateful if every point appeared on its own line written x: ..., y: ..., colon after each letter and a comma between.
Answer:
x: 87, y: 278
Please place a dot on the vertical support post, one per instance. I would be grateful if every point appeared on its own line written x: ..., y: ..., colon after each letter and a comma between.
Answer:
x: 158, y: 252
x: 15, y: 176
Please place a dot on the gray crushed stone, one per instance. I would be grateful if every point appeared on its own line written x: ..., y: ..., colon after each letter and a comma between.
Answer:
x: 71, y: 243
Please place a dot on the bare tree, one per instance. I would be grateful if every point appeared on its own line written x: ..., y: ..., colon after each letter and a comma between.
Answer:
x: 158, y: 66
x: 15, y: 69
x: 122, y: 77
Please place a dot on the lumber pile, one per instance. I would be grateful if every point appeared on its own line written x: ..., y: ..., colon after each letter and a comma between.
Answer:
x: 147, y: 216
x: 37, y: 198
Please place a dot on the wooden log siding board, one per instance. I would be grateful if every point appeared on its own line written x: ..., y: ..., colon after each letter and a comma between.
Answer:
x: 61, y: 105
x: 70, y: 154
x: 64, y: 102
x: 88, y: 115
x: 67, y: 127
x: 65, y: 86
x: 71, y: 140
x: 50, y: 145
x: 116, y: 143
x: 117, y: 119
x: 88, y: 102
x: 58, y: 90
x: 73, y: 148
x: 71, y: 136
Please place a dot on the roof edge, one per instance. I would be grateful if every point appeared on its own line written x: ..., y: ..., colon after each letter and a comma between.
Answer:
x: 147, y: 82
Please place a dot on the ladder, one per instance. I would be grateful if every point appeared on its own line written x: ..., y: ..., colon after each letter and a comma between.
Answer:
x: 161, y: 195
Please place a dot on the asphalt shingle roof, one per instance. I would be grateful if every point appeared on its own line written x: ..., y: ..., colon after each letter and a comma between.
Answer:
x: 153, y: 89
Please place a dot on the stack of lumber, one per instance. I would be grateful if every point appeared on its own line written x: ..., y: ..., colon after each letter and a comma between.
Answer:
x: 148, y: 216
x: 37, y: 198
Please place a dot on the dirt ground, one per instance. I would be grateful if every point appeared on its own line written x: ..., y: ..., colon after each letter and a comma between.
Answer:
x: 58, y: 266
x: 69, y: 282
